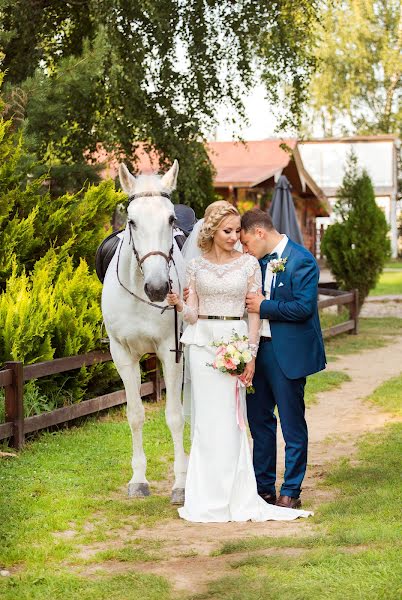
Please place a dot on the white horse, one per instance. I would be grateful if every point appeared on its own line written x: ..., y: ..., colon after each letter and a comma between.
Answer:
x: 141, y: 268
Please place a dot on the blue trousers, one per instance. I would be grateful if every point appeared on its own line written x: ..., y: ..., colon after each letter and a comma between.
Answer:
x: 272, y: 389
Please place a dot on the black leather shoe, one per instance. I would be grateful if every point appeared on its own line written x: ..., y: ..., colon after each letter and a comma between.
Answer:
x: 269, y: 497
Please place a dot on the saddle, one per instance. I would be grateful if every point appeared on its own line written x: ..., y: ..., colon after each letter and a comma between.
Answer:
x: 185, y: 221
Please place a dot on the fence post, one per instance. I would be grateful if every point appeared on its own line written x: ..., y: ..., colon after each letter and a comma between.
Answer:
x: 354, y: 312
x: 14, y: 403
x: 151, y: 365
x: 158, y: 383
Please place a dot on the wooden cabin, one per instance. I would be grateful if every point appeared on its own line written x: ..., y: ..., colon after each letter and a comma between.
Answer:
x: 246, y: 174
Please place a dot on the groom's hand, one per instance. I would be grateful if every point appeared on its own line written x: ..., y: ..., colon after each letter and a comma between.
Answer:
x: 253, y: 301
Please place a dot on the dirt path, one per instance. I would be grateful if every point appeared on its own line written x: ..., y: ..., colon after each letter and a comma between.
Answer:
x: 335, y: 423
x: 382, y: 306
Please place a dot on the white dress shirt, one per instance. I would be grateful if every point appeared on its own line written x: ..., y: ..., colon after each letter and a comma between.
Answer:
x: 269, y: 282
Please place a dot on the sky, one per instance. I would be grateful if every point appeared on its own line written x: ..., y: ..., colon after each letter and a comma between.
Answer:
x: 262, y: 121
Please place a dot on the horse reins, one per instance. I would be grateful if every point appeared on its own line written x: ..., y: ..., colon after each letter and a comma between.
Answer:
x: 169, y: 259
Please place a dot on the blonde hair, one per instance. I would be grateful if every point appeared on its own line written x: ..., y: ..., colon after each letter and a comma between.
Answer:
x: 215, y: 213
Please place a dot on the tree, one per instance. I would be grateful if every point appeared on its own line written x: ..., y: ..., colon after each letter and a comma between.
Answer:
x: 49, y: 294
x: 358, y: 85
x: 122, y: 72
x: 357, y: 247
x: 32, y: 221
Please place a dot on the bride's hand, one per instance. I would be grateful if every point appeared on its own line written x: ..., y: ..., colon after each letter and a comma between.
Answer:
x: 248, y: 373
x: 174, y: 300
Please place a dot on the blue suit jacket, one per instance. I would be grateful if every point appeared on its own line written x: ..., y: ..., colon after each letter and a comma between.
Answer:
x: 293, y: 314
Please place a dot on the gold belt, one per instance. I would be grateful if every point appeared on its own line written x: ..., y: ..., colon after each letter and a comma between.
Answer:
x: 220, y: 318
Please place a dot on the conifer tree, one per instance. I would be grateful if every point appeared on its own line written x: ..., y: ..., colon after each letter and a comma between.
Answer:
x: 32, y: 220
x: 357, y: 246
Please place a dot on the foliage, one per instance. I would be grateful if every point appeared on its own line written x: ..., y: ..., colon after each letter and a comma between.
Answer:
x: 357, y: 247
x: 358, y: 85
x: 50, y: 313
x: 121, y: 73
x: 32, y: 220
x: 245, y: 205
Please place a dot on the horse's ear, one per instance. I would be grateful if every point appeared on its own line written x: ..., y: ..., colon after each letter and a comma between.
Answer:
x: 127, y: 181
x: 169, y: 179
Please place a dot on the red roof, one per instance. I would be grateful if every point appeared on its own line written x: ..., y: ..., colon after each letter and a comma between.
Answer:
x: 236, y: 163
x: 146, y: 163
x: 249, y: 163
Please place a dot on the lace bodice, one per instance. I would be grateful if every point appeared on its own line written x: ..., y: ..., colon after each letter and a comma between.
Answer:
x: 221, y: 290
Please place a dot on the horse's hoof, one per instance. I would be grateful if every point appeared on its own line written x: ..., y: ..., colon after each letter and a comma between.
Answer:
x: 177, y: 496
x: 138, y: 490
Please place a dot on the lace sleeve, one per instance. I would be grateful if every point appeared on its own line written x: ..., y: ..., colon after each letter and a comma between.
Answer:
x: 254, y: 322
x: 190, y: 309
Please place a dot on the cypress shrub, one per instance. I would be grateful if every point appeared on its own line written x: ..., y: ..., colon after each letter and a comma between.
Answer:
x: 49, y: 293
x: 357, y: 246
x: 52, y: 312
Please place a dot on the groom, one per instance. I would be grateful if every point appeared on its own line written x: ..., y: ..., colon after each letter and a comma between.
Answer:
x: 291, y: 347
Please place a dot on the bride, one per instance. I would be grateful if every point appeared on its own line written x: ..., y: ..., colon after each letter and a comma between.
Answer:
x: 220, y: 483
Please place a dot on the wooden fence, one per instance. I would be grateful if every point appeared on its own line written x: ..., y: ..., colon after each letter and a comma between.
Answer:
x: 340, y: 298
x: 14, y: 374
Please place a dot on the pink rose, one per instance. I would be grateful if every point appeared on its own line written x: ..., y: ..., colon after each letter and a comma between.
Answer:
x: 230, y: 365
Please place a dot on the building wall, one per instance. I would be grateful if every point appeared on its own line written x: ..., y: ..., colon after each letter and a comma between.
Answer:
x: 306, y: 208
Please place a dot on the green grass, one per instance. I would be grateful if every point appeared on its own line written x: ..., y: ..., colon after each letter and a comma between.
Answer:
x: 354, y: 551
x: 48, y: 489
x: 75, y: 480
x: 329, y: 319
x: 395, y: 263
x: 389, y: 283
x: 44, y: 585
x: 373, y: 333
x: 389, y: 395
x: 317, y: 576
x: 323, y: 382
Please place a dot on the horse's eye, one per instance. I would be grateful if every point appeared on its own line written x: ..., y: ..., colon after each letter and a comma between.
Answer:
x: 132, y: 223
x: 171, y: 219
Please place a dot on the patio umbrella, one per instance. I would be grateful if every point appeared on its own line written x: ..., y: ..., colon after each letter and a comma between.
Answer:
x: 283, y: 213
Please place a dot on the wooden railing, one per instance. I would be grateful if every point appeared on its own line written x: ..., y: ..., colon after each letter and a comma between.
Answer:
x: 14, y: 374
x: 341, y: 298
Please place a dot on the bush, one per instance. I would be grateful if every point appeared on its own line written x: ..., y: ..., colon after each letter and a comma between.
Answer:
x: 32, y: 220
x: 50, y: 313
x: 357, y: 247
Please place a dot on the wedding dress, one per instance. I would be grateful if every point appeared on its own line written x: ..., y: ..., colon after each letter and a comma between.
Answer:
x: 220, y: 483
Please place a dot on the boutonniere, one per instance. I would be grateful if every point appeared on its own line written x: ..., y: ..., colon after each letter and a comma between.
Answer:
x: 276, y: 265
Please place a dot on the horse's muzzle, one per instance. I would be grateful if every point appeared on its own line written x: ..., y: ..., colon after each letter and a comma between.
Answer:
x: 156, y: 293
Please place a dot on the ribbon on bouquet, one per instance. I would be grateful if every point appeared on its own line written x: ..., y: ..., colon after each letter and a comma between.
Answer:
x: 239, y: 412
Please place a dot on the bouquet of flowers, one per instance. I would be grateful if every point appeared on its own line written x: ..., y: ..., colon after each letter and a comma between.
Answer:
x: 232, y: 356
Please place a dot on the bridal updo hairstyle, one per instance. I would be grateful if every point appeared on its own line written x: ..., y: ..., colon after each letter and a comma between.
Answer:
x: 214, y: 215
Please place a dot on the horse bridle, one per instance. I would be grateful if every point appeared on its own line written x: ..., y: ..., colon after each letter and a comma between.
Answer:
x: 140, y: 261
